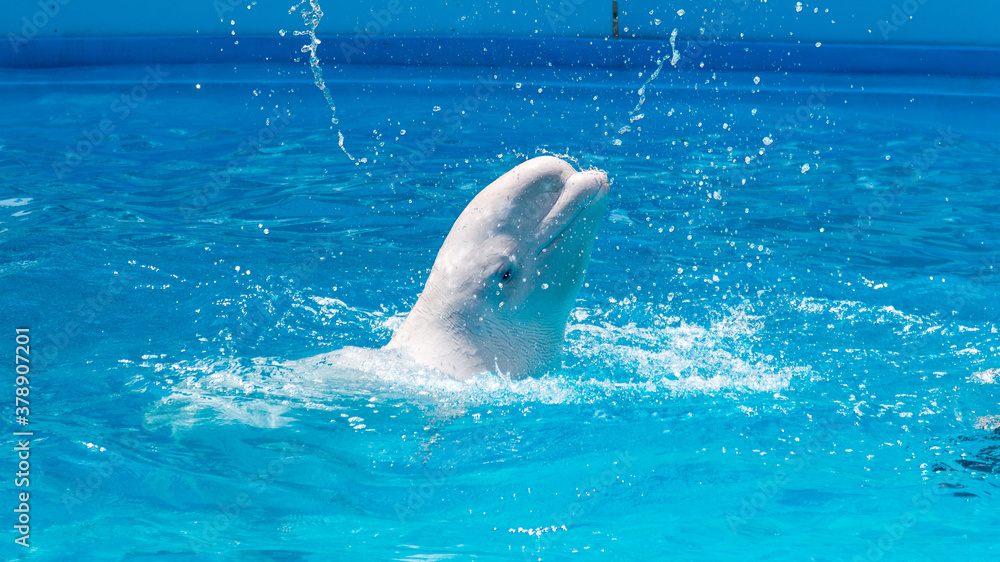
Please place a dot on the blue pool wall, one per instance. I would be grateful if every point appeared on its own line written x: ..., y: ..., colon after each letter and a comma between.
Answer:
x: 896, y: 22
x: 921, y: 36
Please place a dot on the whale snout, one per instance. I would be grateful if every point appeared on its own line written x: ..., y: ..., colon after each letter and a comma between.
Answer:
x: 583, y: 190
x: 590, y: 182
x: 597, y: 177
x: 584, y: 196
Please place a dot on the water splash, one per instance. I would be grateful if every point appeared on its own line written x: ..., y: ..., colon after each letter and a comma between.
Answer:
x: 636, y: 113
x: 655, y: 356
x: 675, y: 56
x: 312, y: 16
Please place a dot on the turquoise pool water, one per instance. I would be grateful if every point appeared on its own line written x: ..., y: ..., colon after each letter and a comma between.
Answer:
x: 786, y: 349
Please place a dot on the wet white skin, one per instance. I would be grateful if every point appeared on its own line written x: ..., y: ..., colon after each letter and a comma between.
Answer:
x: 507, y: 275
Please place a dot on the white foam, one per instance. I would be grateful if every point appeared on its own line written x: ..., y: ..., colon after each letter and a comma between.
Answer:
x: 989, y: 376
x: 604, y: 362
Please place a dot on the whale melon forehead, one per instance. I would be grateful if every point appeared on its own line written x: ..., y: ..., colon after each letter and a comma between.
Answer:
x: 517, y: 200
x: 545, y: 173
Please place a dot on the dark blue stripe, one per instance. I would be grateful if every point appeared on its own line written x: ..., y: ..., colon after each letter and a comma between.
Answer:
x: 505, y: 52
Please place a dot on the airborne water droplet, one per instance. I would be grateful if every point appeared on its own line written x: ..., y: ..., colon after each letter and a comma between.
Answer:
x: 311, y: 16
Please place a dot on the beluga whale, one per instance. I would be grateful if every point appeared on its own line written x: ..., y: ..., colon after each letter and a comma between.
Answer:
x: 507, y: 275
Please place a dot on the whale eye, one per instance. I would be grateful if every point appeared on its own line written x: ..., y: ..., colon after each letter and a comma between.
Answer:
x: 503, y: 274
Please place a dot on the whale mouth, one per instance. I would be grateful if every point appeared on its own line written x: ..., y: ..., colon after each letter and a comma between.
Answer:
x: 583, y: 191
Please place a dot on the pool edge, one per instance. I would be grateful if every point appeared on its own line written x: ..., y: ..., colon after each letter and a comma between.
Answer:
x: 494, y: 51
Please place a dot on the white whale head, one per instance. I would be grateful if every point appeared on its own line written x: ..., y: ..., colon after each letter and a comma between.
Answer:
x: 503, y: 284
